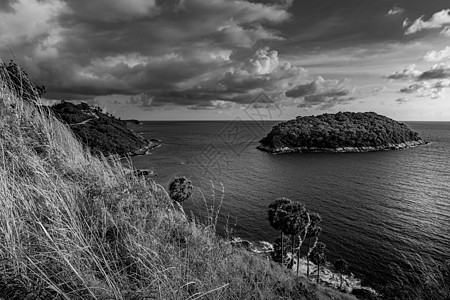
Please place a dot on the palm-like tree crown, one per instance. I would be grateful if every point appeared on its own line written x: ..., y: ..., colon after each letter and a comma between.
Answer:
x: 278, y: 212
x: 298, y: 219
x: 180, y: 189
x: 314, y: 230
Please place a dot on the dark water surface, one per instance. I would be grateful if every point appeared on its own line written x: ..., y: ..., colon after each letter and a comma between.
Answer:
x: 378, y: 208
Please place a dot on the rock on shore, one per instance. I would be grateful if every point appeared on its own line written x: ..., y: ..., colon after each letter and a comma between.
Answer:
x: 279, y: 150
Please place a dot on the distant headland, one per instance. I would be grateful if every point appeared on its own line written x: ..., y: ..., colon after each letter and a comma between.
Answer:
x: 341, y: 132
x: 102, y: 132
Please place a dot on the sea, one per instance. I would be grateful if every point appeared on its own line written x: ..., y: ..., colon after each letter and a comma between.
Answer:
x: 384, y: 212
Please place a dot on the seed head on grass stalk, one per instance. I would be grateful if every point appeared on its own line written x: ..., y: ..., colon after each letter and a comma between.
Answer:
x: 213, y: 210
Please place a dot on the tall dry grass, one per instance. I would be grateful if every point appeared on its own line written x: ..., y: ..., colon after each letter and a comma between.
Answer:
x: 76, y: 226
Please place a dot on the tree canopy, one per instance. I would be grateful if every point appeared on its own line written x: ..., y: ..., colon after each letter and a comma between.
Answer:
x: 344, y: 129
x: 180, y: 189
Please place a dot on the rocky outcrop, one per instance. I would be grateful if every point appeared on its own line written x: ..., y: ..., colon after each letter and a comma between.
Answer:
x: 280, y: 150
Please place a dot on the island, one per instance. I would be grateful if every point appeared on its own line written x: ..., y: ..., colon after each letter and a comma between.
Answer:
x: 102, y: 132
x: 340, y: 132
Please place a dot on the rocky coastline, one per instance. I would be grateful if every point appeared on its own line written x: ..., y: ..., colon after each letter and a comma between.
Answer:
x: 328, y: 277
x: 286, y: 149
x: 144, y: 150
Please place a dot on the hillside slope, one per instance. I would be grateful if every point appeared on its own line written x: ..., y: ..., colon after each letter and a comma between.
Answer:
x: 341, y: 132
x: 75, y: 226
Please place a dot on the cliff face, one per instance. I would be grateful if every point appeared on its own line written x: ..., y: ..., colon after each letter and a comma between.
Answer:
x: 341, y: 132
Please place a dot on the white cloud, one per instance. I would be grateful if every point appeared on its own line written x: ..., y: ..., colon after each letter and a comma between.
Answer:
x: 446, y: 31
x: 435, y: 56
x: 433, y: 90
x: 395, y: 10
x: 322, y: 93
x: 408, y: 72
x: 264, y: 61
x: 437, y: 20
x: 417, y: 87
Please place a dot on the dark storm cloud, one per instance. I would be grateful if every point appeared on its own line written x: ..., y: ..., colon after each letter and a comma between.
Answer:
x: 100, y: 47
x: 6, y: 5
x: 241, y: 84
x: 193, y: 52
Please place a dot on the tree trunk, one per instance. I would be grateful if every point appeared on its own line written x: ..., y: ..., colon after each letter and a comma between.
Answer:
x: 282, y: 256
x: 293, y: 245
x: 298, y: 254
x: 307, y: 258
x: 318, y: 273
x: 300, y: 242
x: 311, y: 248
x: 341, y: 282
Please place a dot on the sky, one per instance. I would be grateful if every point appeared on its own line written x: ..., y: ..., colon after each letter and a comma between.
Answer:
x: 236, y: 59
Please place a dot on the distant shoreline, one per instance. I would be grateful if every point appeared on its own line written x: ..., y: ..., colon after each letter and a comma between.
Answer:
x: 283, y: 150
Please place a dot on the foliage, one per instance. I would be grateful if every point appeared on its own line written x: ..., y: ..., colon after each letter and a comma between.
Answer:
x: 277, y: 215
x: 341, y: 266
x: 278, y: 211
x: 180, y: 189
x: 344, y: 129
x: 278, y: 251
x: 20, y: 84
x: 297, y: 220
x: 314, y: 229
x: 319, y: 256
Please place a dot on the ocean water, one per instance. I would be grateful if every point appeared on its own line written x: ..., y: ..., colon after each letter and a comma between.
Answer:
x: 378, y: 208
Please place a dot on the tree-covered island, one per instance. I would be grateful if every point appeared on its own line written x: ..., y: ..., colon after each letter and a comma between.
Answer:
x: 341, y: 132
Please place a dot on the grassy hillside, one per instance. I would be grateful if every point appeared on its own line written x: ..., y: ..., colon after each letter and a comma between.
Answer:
x: 78, y: 226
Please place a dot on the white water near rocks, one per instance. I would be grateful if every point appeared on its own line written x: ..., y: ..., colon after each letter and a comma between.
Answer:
x: 378, y: 208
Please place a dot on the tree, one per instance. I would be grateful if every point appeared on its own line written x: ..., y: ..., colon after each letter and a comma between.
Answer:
x: 277, y: 214
x: 180, y: 189
x: 280, y: 247
x: 20, y: 84
x: 318, y: 256
x: 297, y: 224
x: 341, y: 266
x: 313, y: 232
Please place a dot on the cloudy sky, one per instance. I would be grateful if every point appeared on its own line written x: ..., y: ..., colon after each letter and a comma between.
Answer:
x: 223, y: 59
